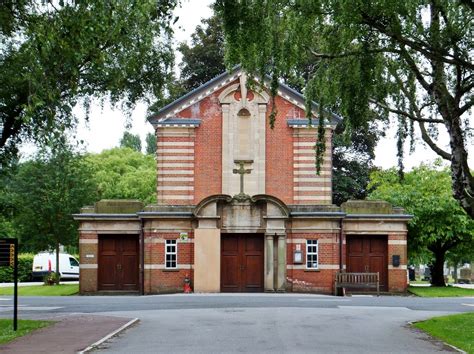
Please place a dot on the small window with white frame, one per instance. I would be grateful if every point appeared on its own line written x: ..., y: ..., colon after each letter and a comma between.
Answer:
x: 312, y: 254
x: 171, y: 254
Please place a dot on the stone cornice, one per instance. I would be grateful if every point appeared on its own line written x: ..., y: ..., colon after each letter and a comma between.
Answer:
x: 403, y: 217
x: 164, y: 215
x: 105, y: 217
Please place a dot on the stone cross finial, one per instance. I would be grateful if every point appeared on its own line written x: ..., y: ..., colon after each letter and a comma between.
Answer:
x: 242, y: 171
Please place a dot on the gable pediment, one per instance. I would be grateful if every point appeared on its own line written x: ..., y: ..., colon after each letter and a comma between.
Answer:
x: 170, y: 111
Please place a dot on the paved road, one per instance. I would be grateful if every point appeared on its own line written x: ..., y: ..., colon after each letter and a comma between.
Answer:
x: 276, y: 330
x: 92, y: 304
x: 274, y: 323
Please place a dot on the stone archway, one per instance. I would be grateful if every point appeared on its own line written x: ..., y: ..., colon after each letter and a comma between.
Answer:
x: 220, y: 215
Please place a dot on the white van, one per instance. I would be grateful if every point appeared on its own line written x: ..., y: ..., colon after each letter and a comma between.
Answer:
x: 44, y: 263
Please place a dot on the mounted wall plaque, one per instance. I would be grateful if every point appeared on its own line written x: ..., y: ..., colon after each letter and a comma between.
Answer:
x: 297, y: 257
x: 396, y: 260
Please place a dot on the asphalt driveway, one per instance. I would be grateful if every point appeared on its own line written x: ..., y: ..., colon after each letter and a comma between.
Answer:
x: 277, y: 330
x: 261, y: 323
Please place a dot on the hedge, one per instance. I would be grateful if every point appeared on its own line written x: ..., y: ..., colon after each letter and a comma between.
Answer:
x: 25, y: 267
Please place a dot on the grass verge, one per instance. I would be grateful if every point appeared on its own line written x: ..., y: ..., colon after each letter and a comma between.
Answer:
x: 7, y: 333
x: 454, y: 329
x: 448, y: 291
x: 43, y: 290
x: 419, y: 282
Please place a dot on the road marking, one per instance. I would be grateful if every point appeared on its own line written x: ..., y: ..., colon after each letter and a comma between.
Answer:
x: 362, y: 295
x: 324, y: 300
x: 2, y: 299
x: 468, y: 304
x: 4, y: 308
x: 374, y: 307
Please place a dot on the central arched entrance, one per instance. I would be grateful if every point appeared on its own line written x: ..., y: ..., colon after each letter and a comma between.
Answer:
x: 240, y: 244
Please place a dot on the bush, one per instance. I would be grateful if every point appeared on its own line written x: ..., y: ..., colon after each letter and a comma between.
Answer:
x: 51, y: 279
x: 25, y: 266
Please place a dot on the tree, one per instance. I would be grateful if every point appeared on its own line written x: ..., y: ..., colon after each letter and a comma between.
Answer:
x: 463, y: 253
x: 151, y: 144
x: 7, y: 205
x: 439, y: 224
x: 123, y: 173
x: 204, y: 59
x: 46, y: 191
x: 352, y: 163
x: 56, y: 54
x: 131, y: 141
x: 406, y: 59
x: 37, y: 197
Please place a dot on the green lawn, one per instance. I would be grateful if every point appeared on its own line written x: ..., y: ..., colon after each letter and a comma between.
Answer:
x: 24, y: 327
x: 43, y: 290
x: 454, y: 329
x: 448, y: 291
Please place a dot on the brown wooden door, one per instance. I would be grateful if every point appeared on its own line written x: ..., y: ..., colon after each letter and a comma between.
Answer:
x: 242, y: 263
x: 118, y: 262
x: 368, y: 254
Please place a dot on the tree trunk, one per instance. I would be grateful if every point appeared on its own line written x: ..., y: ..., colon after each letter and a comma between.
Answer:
x: 455, y: 274
x: 462, y: 180
x: 448, y: 107
x: 57, y: 263
x: 437, y: 268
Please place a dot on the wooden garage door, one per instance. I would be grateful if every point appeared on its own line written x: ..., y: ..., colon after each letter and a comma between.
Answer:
x: 118, y: 262
x: 368, y: 253
x: 242, y: 263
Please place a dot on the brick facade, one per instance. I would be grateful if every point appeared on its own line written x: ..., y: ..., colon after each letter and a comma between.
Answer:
x: 158, y: 279
x: 321, y: 280
x: 202, y: 139
x: 279, y: 151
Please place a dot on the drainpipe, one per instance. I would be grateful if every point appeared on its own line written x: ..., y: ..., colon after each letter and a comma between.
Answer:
x: 340, y: 245
x: 142, y: 257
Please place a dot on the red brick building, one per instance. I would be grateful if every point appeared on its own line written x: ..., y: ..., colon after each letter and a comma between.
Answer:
x: 240, y: 207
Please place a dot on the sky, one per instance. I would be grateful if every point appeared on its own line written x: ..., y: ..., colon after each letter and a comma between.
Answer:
x: 106, y: 125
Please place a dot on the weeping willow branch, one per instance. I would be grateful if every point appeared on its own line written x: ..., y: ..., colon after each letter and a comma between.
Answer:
x: 417, y: 114
x: 405, y: 114
x: 353, y: 53
x: 422, y: 47
x: 427, y: 139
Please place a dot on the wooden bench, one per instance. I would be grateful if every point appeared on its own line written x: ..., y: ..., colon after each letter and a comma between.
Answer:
x: 357, y: 280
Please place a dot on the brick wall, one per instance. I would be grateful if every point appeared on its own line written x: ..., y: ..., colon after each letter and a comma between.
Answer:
x: 279, y: 153
x: 158, y: 279
x: 207, y: 145
x: 309, y: 187
x: 175, y: 166
x: 208, y: 172
x: 88, y: 245
x: 321, y: 280
x: 287, y: 150
x: 397, y: 276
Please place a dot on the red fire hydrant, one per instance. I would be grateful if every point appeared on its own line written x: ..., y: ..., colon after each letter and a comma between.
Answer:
x: 187, y: 284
